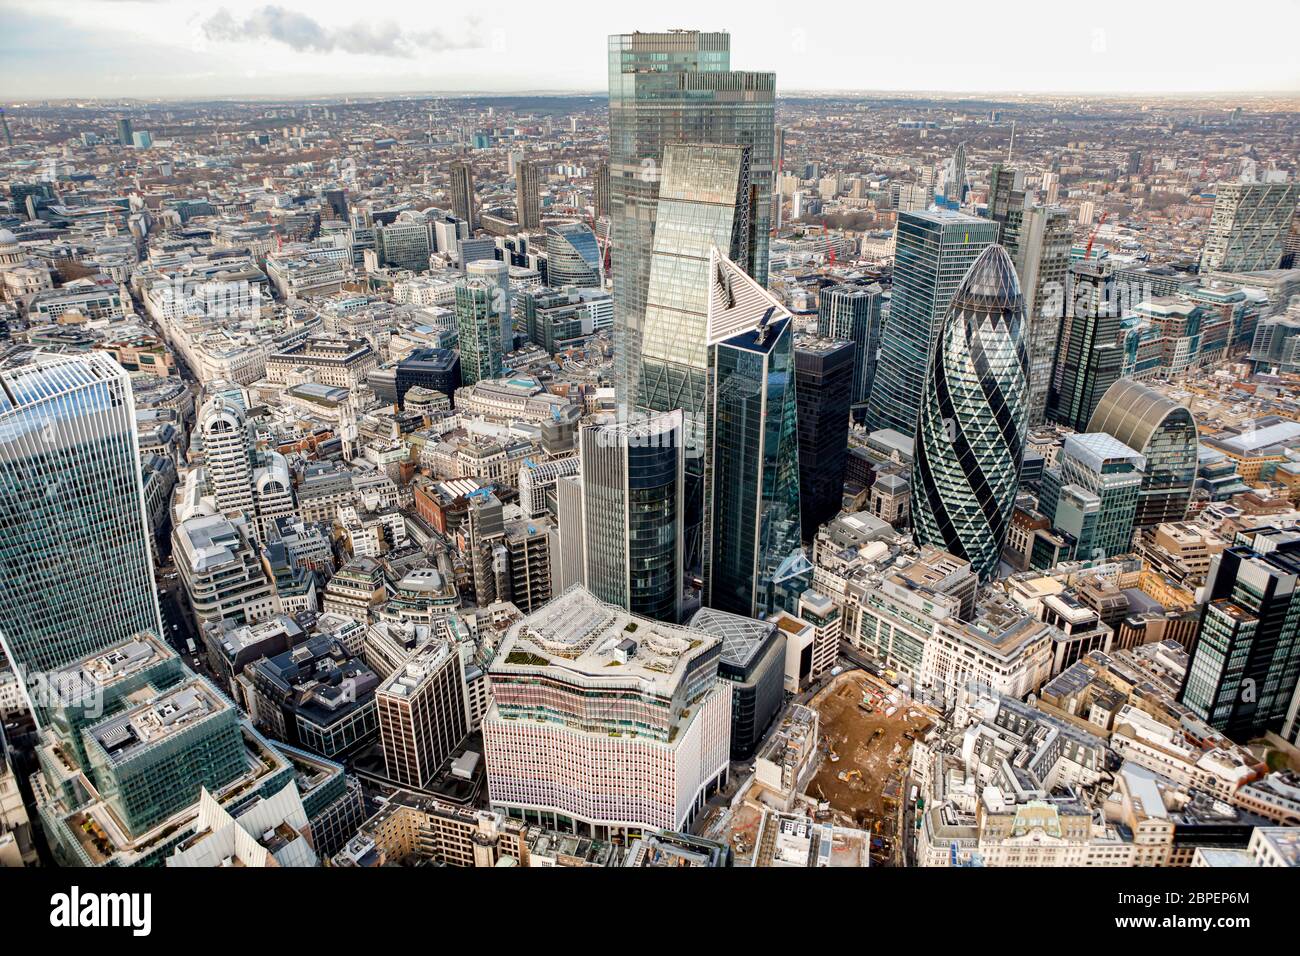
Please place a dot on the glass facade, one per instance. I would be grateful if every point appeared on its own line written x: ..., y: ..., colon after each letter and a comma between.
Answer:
x: 1246, y: 660
x: 76, y: 575
x: 633, y: 510
x: 674, y: 87
x: 752, y: 554
x: 852, y: 313
x: 572, y: 256
x: 703, y: 204
x: 933, y: 253
x: 1165, y: 433
x: 479, y: 308
x: 970, y: 441
x: 1089, y: 354
x: 1098, y: 466
x: 824, y: 370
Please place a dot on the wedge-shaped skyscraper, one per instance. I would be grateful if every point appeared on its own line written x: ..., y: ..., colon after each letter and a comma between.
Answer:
x: 753, y: 562
x: 971, y: 436
x: 704, y: 202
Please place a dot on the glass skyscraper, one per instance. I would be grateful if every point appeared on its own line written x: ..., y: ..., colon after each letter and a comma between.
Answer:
x: 852, y: 313
x: 633, y: 509
x: 1089, y: 353
x: 823, y: 384
x: 933, y: 253
x: 479, y: 311
x: 970, y: 440
x: 1042, y: 256
x: 753, y: 562
x: 1246, y: 660
x: 76, y: 575
x: 704, y: 203
x: 1101, y: 466
x: 674, y: 87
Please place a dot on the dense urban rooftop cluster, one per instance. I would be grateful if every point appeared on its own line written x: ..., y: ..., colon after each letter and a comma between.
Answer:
x: 521, y: 481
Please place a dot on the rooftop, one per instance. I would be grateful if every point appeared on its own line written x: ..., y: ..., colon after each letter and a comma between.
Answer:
x: 579, y: 634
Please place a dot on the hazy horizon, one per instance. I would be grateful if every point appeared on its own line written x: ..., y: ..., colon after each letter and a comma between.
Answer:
x: 188, y: 49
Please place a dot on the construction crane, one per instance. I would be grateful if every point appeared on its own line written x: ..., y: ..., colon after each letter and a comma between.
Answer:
x: 1087, y: 253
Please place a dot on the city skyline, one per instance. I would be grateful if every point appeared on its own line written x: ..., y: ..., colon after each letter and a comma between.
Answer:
x: 145, y: 49
x: 717, y: 479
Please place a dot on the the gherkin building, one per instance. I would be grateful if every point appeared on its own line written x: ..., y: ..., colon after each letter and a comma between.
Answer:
x: 970, y: 437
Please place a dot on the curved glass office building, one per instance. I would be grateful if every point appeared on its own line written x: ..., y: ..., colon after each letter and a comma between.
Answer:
x: 1164, y: 432
x: 632, y: 488
x: 75, y: 571
x: 970, y: 440
x: 572, y: 256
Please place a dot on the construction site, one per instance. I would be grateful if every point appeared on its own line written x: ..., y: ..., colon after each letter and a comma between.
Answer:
x: 867, y: 731
x: 840, y: 763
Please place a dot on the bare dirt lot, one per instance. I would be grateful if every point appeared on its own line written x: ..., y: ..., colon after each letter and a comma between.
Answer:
x: 856, y: 727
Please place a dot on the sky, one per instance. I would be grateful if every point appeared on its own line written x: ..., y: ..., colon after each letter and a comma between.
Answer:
x: 185, y: 48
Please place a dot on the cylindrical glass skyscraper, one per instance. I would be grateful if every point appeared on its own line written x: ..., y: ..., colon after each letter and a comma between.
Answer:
x: 970, y: 439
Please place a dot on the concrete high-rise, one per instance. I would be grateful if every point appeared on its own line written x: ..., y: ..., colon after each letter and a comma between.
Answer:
x: 933, y: 253
x: 227, y: 455
x: 462, y: 193
x: 970, y: 440
x: 528, y: 202
x: 75, y: 570
x: 422, y: 713
x: 674, y: 87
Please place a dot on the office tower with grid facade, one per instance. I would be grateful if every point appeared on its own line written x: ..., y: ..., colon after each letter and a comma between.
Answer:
x: 853, y: 313
x: 1244, y: 665
x: 1044, y: 237
x: 480, y: 312
x: 933, y: 253
x: 423, y: 715
x: 1089, y: 354
x: 970, y: 440
x: 1249, y: 226
x: 664, y: 88
x: 76, y: 575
